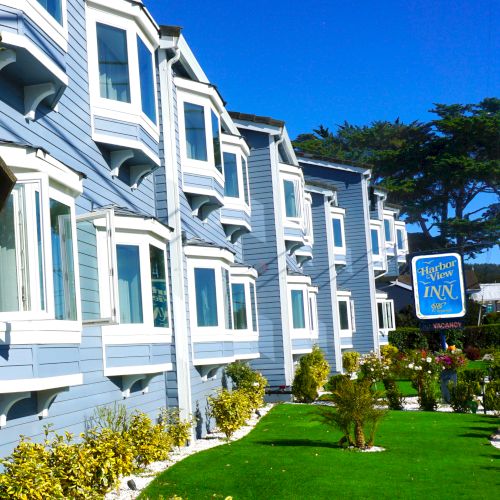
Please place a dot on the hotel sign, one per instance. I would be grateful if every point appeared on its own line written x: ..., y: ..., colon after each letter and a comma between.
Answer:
x: 438, y: 286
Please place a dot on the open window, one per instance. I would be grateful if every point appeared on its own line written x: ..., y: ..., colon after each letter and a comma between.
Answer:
x: 39, y: 281
x: 133, y: 284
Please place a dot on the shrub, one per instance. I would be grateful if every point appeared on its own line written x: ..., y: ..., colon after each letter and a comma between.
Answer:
x: 113, y: 417
x: 150, y: 442
x: 472, y: 353
x: 28, y: 474
x: 114, y: 457
x: 230, y: 410
x: 423, y: 373
x: 408, y: 338
x: 389, y: 353
x: 462, y: 395
x: 304, y: 387
x: 334, y: 381
x: 356, y: 412
x: 249, y: 381
x: 350, y: 361
x: 395, y: 399
x: 178, y: 430
x: 310, y: 375
x: 372, y: 367
x: 492, y: 396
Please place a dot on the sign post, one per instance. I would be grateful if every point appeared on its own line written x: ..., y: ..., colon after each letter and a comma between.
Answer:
x: 439, y: 291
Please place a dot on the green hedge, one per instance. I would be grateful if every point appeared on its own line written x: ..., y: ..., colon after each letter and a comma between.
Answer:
x: 484, y: 337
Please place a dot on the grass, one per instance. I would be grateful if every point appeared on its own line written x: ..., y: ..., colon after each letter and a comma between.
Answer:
x: 292, y: 455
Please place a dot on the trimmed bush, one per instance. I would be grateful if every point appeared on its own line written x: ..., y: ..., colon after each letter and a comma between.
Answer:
x: 334, y: 381
x: 350, y: 361
x: 250, y: 381
x: 230, y: 409
x: 395, y: 399
x: 408, y: 338
x: 310, y: 375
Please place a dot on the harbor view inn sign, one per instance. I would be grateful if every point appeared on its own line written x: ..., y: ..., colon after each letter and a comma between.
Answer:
x: 438, y: 287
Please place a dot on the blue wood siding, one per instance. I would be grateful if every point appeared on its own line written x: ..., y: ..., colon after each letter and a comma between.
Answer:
x: 356, y: 276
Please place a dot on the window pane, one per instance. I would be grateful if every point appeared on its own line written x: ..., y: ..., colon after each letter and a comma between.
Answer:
x: 206, y: 297
x: 337, y: 233
x: 239, y: 306
x: 129, y: 283
x: 113, y: 63
x: 244, y: 168
x: 298, y: 309
x: 216, y: 142
x: 380, y: 310
x: 147, y: 80
x: 9, y: 288
x: 254, y: 308
x: 343, y: 315
x: 62, y: 261
x: 387, y: 230
x: 227, y: 299
x: 375, y: 245
x: 196, y: 142
x: 290, y: 199
x: 399, y: 234
x: 159, y: 286
x: 231, y: 176
x: 53, y: 7
x: 389, y: 306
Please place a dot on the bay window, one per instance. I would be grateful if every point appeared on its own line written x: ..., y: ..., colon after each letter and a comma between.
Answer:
x: 206, y: 297
x: 290, y: 189
x: 338, y: 234
x: 194, y: 122
x: 239, y: 306
x: 231, y: 188
x: 38, y: 279
x: 244, y: 301
x: 133, y: 277
x: 298, y: 313
x: 112, y: 54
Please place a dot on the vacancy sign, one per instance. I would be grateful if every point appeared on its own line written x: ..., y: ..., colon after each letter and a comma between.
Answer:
x: 438, y: 286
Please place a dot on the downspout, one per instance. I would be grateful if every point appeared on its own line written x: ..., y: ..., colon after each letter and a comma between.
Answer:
x: 176, y: 249
x: 282, y: 271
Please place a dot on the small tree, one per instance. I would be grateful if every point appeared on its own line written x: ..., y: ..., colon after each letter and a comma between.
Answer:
x: 231, y: 409
x: 250, y: 381
x: 350, y: 361
x: 356, y: 412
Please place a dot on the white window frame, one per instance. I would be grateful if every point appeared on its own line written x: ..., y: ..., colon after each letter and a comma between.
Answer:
x: 388, y: 314
x: 138, y: 232
x: 308, y: 221
x: 299, y: 197
x: 313, y: 312
x: 380, y: 259
x: 108, y: 108
x: 303, y: 284
x: 217, y: 259
x: 401, y: 226
x: 38, y: 171
x: 41, y: 17
x: 206, y: 97
x: 245, y: 276
x: 351, y: 316
x: 390, y: 217
x: 339, y: 214
x: 238, y: 147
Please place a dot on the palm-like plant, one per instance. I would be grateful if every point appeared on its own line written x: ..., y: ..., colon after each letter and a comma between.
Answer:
x: 356, y: 412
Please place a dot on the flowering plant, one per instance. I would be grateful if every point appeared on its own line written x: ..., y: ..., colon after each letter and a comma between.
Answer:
x: 372, y: 367
x: 451, y: 360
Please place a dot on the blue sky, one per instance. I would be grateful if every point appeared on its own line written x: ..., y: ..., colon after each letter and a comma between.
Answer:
x: 324, y: 62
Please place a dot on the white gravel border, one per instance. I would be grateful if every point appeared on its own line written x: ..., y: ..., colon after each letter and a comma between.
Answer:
x: 123, y: 492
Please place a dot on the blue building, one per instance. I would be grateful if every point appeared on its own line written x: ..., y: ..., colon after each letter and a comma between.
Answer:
x: 152, y: 237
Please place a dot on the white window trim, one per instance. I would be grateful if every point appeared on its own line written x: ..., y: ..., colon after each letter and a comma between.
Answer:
x: 346, y: 297
x: 109, y: 108
x: 339, y: 214
x: 313, y: 311
x: 379, y: 259
x: 390, y: 217
x: 209, y: 333
x: 233, y: 202
x: 139, y: 232
x: 36, y: 12
x: 298, y: 182
x: 299, y: 333
x: 308, y: 220
x: 58, y: 182
x: 249, y: 333
x: 388, y: 316
x: 401, y: 226
x: 204, y: 96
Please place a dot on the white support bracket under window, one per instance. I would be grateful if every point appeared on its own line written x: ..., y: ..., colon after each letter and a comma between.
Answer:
x: 129, y: 380
x: 7, y: 401
x: 118, y: 158
x: 208, y: 372
x: 203, y: 205
x: 34, y: 95
x: 46, y: 398
x: 137, y: 173
x: 234, y: 232
x: 292, y: 246
x: 7, y: 56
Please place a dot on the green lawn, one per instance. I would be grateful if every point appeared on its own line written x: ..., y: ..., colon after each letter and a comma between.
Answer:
x: 291, y: 455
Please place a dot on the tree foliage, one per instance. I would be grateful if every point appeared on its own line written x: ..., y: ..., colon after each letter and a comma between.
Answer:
x: 435, y: 170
